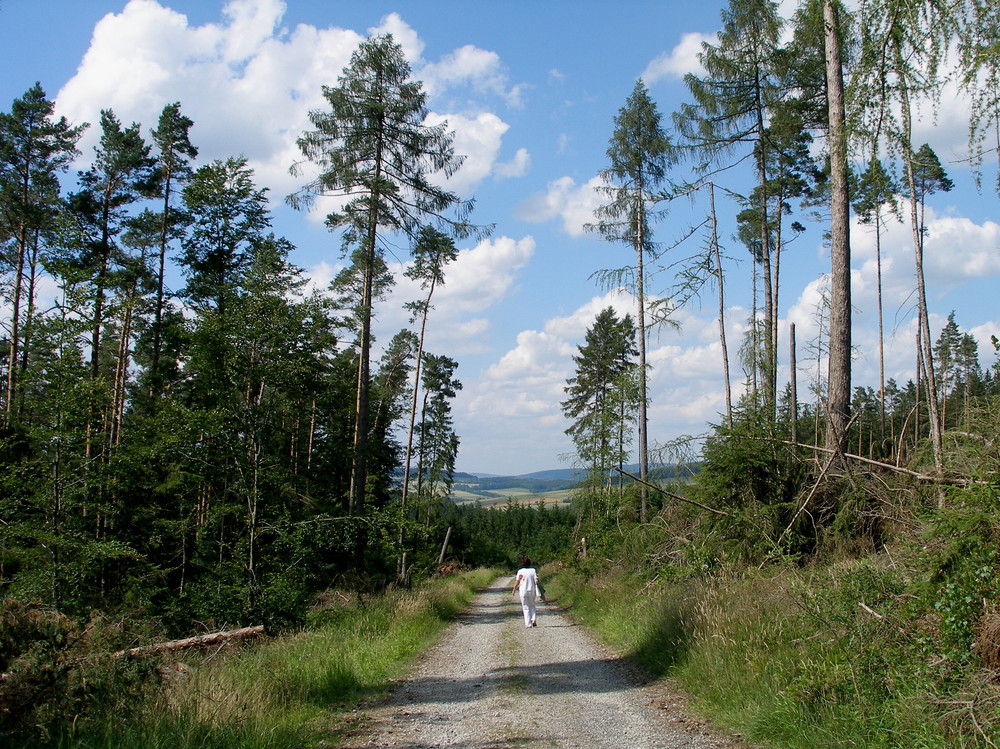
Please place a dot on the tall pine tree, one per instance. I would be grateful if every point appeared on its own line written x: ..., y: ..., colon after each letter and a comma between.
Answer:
x: 374, y: 148
x: 35, y: 148
x: 640, y: 154
x: 602, y: 397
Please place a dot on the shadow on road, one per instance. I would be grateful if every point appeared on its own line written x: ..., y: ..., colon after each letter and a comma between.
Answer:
x: 486, y: 609
x: 498, y: 606
x: 590, y: 676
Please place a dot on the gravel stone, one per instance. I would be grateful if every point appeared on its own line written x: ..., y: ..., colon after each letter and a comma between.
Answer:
x: 491, y: 682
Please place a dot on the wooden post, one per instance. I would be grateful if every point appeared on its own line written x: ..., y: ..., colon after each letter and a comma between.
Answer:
x: 444, y: 546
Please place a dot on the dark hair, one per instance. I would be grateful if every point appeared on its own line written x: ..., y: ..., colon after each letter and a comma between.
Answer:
x: 525, y: 562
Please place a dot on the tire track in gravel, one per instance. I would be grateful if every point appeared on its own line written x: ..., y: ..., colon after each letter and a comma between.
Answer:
x: 490, y: 682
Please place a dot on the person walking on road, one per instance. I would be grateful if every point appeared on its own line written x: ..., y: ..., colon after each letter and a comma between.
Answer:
x: 527, y: 587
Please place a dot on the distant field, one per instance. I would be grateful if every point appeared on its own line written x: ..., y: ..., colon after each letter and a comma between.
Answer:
x: 516, y: 495
x: 550, y: 487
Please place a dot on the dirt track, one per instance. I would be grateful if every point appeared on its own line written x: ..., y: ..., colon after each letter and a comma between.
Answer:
x: 491, y: 682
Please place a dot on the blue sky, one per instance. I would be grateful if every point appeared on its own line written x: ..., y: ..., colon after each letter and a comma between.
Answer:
x: 530, y: 90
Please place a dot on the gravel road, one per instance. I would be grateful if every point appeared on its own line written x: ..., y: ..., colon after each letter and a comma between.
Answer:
x: 490, y: 682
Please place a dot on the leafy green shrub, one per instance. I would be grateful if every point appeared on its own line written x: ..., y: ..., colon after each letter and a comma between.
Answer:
x: 757, y: 481
x: 960, y: 574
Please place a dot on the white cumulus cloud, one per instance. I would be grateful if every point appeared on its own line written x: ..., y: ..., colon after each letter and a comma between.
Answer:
x: 566, y: 201
x: 249, y: 83
x: 679, y: 61
x: 478, y: 139
x: 527, y: 382
x: 516, y: 167
x: 470, y: 66
x: 479, y: 279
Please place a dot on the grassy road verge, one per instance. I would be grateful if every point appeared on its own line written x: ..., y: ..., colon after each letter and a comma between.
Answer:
x: 293, y: 691
x: 798, y: 658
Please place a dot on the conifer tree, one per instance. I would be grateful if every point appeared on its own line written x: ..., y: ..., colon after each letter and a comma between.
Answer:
x: 437, y: 446
x: 979, y: 74
x: 902, y: 49
x: 174, y: 152
x: 875, y: 195
x: 432, y: 251
x: 731, y: 109
x: 640, y: 153
x: 121, y: 175
x: 229, y: 214
x: 374, y: 149
x: 924, y: 177
x: 601, y: 396
x: 946, y: 360
x: 35, y: 148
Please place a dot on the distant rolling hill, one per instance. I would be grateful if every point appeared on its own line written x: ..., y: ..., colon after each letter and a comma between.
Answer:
x: 547, y: 486
x: 550, y: 486
x: 539, y: 481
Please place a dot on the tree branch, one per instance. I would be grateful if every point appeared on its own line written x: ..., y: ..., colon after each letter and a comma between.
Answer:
x: 896, y: 469
x: 671, y: 494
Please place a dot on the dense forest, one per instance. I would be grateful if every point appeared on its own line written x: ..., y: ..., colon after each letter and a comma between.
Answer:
x: 205, y: 454
x: 223, y: 453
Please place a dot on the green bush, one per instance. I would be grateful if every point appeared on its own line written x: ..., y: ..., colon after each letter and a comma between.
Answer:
x: 59, y: 678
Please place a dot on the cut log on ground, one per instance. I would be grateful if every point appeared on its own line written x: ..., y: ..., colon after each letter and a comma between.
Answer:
x: 213, y: 638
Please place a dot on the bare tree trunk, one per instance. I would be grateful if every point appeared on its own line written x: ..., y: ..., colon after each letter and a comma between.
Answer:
x: 312, y: 433
x: 839, y: 385
x: 641, y: 322
x: 413, y: 421
x: 722, y: 306
x: 359, y: 470
x: 923, y: 324
x: 793, y: 379
x: 15, y: 320
x: 444, y: 546
x: 293, y: 447
x: 29, y: 318
x: 769, y: 358
x: 213, y: 638
x: 121, y: 379
x: 101, y: 281
x: 158, y: 312
x: 775, y: 288
x: 881, y: 324
x: 916, y: 400
x: 754, y: 336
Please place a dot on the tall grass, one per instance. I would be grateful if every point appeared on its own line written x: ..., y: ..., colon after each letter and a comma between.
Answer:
x: 287, y: 692
x: 793, y: 659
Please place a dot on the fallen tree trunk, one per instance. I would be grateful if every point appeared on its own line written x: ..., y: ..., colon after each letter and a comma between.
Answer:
x: 956, y: 481
x: 213, y: 638
x: 678, y: 497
